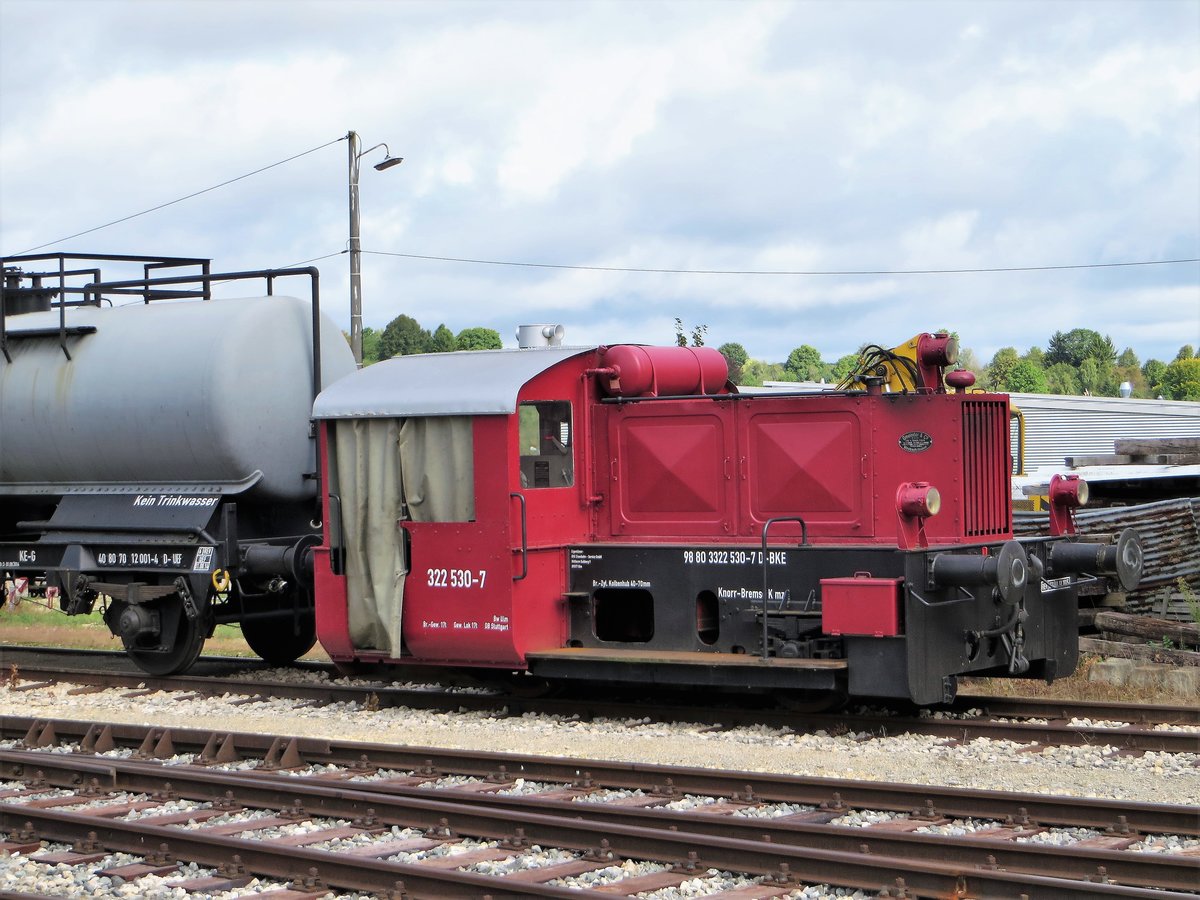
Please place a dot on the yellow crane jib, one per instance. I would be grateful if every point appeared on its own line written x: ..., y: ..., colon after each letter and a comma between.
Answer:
x: 916, y: 365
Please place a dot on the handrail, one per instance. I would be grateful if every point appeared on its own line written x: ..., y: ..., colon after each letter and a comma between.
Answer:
x: 803, y: 542
x: 90, y: 291
x: 1015, y: 412
x: 524, y: 538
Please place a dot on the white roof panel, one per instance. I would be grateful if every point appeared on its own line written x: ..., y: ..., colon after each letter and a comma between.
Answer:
x: 462, y: 383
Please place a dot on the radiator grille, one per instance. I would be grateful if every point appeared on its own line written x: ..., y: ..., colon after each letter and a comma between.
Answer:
x: 986, y: 467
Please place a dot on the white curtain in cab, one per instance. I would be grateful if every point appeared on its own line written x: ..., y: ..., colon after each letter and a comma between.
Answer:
x: 388, y: 471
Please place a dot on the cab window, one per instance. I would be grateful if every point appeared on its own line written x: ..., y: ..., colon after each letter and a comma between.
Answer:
x: 546, y: 437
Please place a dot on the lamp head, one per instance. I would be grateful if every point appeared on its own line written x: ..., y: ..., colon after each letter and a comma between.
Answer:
x: 388, y: 163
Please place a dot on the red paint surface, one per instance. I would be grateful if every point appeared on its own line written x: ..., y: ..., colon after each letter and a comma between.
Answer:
x: 869, y: 606
x: 686, y: 470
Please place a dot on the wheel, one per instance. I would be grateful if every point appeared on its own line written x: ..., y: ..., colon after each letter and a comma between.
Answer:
x: 189, y: 641
x: 532, y: 687
x: 276, y: 639
x: 353, y: 668
x: 810, y: 702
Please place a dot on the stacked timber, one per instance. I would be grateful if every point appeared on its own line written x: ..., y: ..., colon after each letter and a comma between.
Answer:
x: 1182, y: 451
x: 1145, y: 639
x: 1170, y: 533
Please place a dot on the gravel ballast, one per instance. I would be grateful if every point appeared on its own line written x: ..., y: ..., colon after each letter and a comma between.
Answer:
x: 1083, y: 771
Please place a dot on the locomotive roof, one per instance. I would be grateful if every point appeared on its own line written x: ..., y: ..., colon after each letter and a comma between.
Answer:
x: 461, y: 383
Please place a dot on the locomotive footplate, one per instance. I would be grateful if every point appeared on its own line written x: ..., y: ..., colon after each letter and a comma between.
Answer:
x: 641, y: 612
x: 680, y: 667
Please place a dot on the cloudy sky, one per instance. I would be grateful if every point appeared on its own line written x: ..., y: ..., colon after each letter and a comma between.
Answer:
x: 737, y: 136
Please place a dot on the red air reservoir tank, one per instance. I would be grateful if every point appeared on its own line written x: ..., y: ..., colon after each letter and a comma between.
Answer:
x: 663, y: 371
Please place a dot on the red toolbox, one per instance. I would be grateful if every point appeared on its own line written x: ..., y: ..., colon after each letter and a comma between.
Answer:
x: 861, y: 605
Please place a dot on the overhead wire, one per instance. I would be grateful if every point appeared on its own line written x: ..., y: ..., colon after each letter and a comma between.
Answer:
x: 179, y: 199
x: 598, y: 268
x: 305, y: 262
x: 294, y: 265
x: 538, y: 265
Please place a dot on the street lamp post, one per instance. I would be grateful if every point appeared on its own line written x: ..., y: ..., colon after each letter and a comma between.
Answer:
x: 355, y: 242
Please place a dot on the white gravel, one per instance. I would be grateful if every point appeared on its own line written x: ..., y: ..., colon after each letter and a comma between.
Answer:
x: 1086, y: 771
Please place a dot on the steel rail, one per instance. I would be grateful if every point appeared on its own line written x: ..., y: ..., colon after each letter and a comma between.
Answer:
x: 868, y: 870
x: 1025, y: 707
x: 262, y: 858
x: 1130, y: 737
x: 1163, y: 871
x: 1038, y: 707
x: 1102, y: 814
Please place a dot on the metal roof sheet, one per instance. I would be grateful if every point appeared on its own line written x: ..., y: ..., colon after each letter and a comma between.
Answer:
x: 1058, y: 426
x: 462, y: 383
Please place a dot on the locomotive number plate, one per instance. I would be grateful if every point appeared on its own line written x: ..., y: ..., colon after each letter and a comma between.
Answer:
x: 455, y: 578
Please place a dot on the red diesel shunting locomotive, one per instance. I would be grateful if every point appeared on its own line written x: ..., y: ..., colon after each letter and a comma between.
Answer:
x: 626, y: 514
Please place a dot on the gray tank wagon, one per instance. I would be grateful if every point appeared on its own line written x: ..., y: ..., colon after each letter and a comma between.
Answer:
x: 156, y: 449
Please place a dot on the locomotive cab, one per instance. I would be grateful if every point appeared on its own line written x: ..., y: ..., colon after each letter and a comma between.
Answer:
x: 445, y: 474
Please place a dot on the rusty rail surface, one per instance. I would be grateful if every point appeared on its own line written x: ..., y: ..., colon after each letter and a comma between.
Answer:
x: 853, y: 857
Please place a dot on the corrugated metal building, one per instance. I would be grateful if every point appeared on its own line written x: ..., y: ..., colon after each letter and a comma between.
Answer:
x: 1058, y: 426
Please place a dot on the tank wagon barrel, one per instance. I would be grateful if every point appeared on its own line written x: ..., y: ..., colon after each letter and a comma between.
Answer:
x: 158, y: 458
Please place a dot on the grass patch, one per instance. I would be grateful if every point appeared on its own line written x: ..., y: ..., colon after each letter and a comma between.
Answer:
x: 1074, y: 687
x: 33, y: 624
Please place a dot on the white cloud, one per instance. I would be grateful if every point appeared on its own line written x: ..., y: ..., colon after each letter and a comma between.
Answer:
x: 774, y: 136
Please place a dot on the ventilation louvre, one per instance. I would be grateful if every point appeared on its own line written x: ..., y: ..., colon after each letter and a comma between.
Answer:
x: 986, y: 466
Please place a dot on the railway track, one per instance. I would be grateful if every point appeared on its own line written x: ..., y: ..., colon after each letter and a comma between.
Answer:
x: 400, y: 821
x: 1131, y: 728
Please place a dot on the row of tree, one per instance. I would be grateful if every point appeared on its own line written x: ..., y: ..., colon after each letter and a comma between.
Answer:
x: 803, y: 364
x: 404, y: 335
x: 1080, y: 361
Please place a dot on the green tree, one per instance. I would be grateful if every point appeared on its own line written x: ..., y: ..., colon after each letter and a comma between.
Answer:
x: 403, y: 336
x: 735, y: 357
x: 1079, y: 344
x: 1153, y: 371
x: 698, y: 334
x: 370, y: 351
x: 1063, y: 378
x: 1103, y: 350
x: 1097, y: 378
x: 843, y: 367
x: 1027, y: 378
x: 1181, y: 381
x: 755, y: 372
x: 1129, y: 369
x: 1185, y: 352
x: 478, y: 339
x: 968, y: 360
x: 804, y: 363
x: 1035, y: 355
x: 443, y: 340
x: 1000, y: 368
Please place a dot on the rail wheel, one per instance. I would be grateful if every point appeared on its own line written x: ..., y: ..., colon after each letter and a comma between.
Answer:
x: 803, y: 701
x: 185, y: 647
x: 281, y: 641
